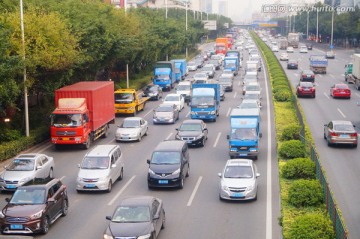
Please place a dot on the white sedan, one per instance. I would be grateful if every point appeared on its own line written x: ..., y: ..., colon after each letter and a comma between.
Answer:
x: 24, y: 168
x: 132, y: 129
x: 175, y: 99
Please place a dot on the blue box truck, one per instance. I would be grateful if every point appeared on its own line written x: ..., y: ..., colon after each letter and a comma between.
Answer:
x: 164, y: 74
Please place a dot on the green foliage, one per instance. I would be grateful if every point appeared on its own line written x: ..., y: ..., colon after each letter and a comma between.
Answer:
x: 283, y: 95
x: 291, y: 132
x: 304, y: 193
x: 312, y: 226
x: 299, y: 168
x: 292, y: 149
x: 7, y: 135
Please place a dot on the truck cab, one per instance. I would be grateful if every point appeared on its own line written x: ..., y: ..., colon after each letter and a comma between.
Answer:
x: 205, y: 101
x: 128, y: 101
x: 245, y: 133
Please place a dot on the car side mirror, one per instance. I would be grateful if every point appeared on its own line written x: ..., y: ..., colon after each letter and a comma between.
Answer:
x: 51, y: 200
x: 39, y: 167
x: 108, y: 218
x: 78, y: 166
x: 219, y: 174
x: 113, y: 165
x: 7, y: 199
x: 228, y: 136
x: 258, y: 175
x: 148, y: 161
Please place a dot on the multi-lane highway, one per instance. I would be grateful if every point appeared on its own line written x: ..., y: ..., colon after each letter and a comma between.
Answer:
x: 341, y: 164
x: 192, y: 212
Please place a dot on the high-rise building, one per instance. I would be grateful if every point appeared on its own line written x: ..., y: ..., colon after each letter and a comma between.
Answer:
x: 206, y: 6
x: 223, y: 8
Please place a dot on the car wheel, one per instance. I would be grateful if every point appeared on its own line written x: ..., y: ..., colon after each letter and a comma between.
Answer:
x: 45, y: 225
x: 65, y: 208
x: 324, y: 135
x: 51, y: 173
x: 106, y: 132
x: 314, y: 96
x: 140, y: 136
x: 121, y: 176
x: 328, y: 143
x: 355, y: 145
x: 157, y: 97
x: 88, y: 143
x: 163, y: 221
x: 203, y: 142
x: 146, y: 132
x: 188, y: 172
x: 109, y: 187
x: 181, y: 185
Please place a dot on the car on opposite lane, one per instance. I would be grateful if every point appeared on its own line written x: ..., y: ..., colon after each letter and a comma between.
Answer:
x: 194, y: 132
x: 165, y: 114
x: 340, y: 132
x: 239, y: 180
x: 24, y: 168
x: 132, y: 129
x: 305, y: 89
x: 340, y: 91
x: 141, y: 217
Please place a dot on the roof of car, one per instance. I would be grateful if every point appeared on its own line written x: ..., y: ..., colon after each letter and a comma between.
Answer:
x: 239, y: 162
x: 136, y: 201
x: 101, y: 150
x: 192, y: 121
x: 133, y: 118
x: 169, y: 145
x: 28, y: 156
x: 39, y: 182
x: 343, y: 122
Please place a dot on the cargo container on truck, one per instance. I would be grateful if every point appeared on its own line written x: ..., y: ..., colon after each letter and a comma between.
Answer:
x: 352, y: 73
x: 283, y: 42
x: 164, y: 74
x: 245, y: 133
x: 293, y: 39
x: 221, y: 45
x: 318, y: 64
x: 180, y: 69
x: 205, y: 101
x: 129, y: 101
x: 232, y: 63
x: 83, y: 113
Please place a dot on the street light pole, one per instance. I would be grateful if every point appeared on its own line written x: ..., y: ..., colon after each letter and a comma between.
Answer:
x: 290, y: 24
x: 26, y: 104
x: 127, y: 65
x: 166, y: 9
x: 307, y: 26
x: 317, y: 25
x: 332, y: 29
x: 186, y: 28
x: 294, y: 23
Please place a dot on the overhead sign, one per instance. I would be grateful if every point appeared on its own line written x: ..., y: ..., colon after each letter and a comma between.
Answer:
x: 210, y: 25
x: 264, y: 24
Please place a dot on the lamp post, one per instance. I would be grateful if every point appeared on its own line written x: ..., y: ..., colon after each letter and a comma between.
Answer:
x: 186, y: 28
x: 317, y: 25
x: 332, y: 30
x: 26, y: 104
x: 290, y: 24
x: 294, y: 23
x: 127, y: 65
x: 166, y: 9
x: 307, y: 26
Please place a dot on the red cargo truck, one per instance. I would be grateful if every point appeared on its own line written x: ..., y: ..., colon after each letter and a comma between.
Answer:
x: 221, y: 45
x: 83, y: 113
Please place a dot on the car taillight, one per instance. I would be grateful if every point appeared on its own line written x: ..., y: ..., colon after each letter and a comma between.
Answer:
x: 304, y: 76
x: 354, y: 135
x: 312, y: 88
x: 334, y: 134
x: 312, y: 76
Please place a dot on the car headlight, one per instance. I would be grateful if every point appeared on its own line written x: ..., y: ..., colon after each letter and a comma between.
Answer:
x: 250, y: 188
x: 151, y: 172
x: 177, y: 137
x: 147, y: 236
x: 79, y: 179
x: 108, y: 236
x: 224, y: 187
x: 176, y: 172
x: 2, y: 215
x: 199, y: 136
x: 104, y: 179
x: 212, y: 112
x: 36, y: 215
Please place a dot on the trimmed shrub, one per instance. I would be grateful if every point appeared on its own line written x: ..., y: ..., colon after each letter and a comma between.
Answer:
x: 299, y: 168
x: 282, y: 96
x: 291, y: 132
x: 7, y: 135
x: 311, y: 226
x: 292, y: 149
x: 280, y: 83
x: 280, y: 88
x: 305, y: 193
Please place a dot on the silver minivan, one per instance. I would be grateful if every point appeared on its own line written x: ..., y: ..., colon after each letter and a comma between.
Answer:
x: 100, y: 168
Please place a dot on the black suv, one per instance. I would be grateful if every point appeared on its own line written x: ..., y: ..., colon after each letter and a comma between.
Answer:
x: 34, y: 207
x: 169, y: 164
x: 193, y: 131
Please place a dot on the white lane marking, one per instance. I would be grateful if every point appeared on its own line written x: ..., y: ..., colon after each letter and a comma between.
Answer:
x: 343, y: 115
x: 235, y: 95
x: 217, y: 139
x: 327, y: 96
x: 167, y: 138
x: 321, y: 76
x: 332, y: 76
x: 228, y: 112
x: 268, y: 167
x: 121, y: 190
x: 148, y: 113
x: 194, y: 191
x: 62, y: 178
x: 358, y: 95
x: 187, y: 115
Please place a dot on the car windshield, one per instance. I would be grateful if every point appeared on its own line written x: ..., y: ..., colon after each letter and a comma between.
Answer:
x: 95, y: 163
x: 243, y: 133
x: 131, y: 124
x: 224, y: 79
x: 66, y: 120
x: 124, y: 97
x: 161, y: 157
x: 168, y: 108
x: 202, y: 75
x: 251, y: 96
x: 207, y: 68
x: 28, y: 196
x: 202, y: 101
x: 131, y: 214
x: 183, y: 87
x: 343, y: 127
x: 252, y: 88
x: 248, y: 105
x: 21, y: 165
x: 172, y: 98
x: 190, y: 127
x: 152, y: 89
x: 238, y: 172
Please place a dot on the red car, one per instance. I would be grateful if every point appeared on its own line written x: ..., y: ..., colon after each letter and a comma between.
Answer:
x: 305, y: 89
x: 340, y: 91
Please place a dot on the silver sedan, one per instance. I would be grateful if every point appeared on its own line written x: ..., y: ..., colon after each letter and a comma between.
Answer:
x: 340, y: 132
x: 132, y: 129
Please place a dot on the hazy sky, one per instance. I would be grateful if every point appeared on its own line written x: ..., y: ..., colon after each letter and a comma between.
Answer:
x: 242, y: 9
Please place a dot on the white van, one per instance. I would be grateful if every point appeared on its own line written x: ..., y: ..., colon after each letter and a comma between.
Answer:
x: 100, y: 168
x: 184, y: 88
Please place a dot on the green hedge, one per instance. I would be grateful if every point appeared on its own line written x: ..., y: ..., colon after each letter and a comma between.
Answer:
x: 292, y: 149
x: 291, y: 132
x: 299, y: 168
x: 305, y: 193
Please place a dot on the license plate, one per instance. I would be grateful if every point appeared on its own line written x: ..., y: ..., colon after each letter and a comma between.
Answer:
x: 10, y: 186
x: 308, y: 75
x: 238, y: 195
x: 344, y: 136
x: 65, y: 138
x: 188, y: 141
x: 16, y: 226
x: 242, y: 154
x: 163, y: 181
x: 202, y: 116
x: 306, y: 89
x: 126, y: 137
x: 90, y: 185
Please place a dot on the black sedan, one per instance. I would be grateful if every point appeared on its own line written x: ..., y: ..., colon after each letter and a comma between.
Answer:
x: 154, y: 92
x: 292, y: 64
x: 309, y: 46
x: 136, y: 217
x: 307, y: 75
x: 194, y: 132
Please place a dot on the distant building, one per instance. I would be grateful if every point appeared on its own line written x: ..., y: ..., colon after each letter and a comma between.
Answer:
x: 223, y: 8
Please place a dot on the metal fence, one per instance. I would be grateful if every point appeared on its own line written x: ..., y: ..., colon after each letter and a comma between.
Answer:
x: 332, y: 208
